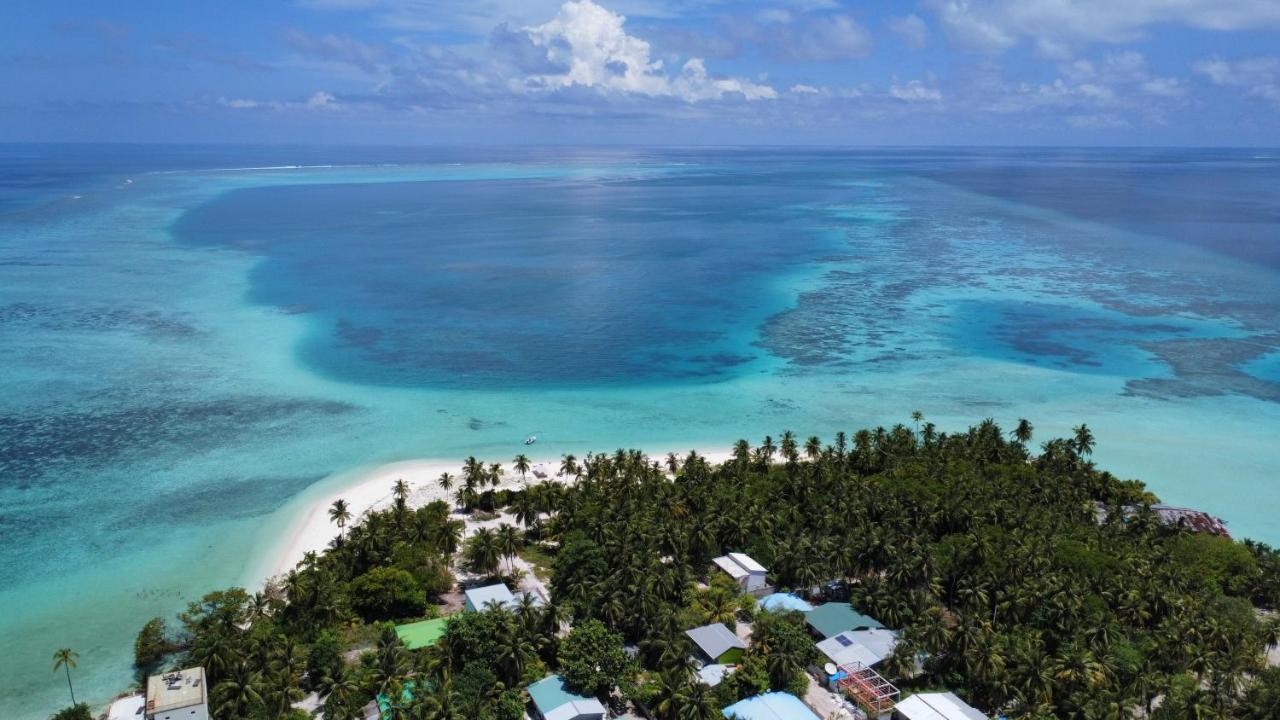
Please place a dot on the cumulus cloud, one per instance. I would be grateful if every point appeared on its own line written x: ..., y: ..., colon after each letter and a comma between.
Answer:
x: 996, y: 25
x: 911, y: 28
x: 1259, y: 76
x: 586, y: 45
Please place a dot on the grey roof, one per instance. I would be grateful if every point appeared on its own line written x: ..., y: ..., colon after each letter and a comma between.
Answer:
x: 862, y: 646
x: 715, y: 639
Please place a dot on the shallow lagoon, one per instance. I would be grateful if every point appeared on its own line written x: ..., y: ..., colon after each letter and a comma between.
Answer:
x: 190, y: 357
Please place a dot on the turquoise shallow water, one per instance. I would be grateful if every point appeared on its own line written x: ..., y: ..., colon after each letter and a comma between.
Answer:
x: 188, y: 356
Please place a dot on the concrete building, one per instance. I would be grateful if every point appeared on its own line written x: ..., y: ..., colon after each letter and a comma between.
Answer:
x: 746, y: 572
x: 717, y: 644
x: 180, y: 695
x: 553, y: 701
x: 936, y: 706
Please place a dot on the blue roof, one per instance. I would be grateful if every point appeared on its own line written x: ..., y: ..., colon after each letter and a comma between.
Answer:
x: 770, y: 706
x: 550, y: 693
x: 784, y: 601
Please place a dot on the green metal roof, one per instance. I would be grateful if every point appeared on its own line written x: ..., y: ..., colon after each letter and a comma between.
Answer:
x: 422, y: 634
x: 831, y: 619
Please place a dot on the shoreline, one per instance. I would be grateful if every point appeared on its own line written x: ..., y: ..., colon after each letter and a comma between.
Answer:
x: 311, y: 530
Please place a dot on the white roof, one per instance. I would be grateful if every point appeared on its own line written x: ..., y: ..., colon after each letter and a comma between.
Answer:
x: 726, y: 563
x: 862, y: 646
x: 481, y: 597
x: 747, y: 563
x: 937, y: 706
x: 127, y: 708
x: 712, y: 675
x: 577, y: 709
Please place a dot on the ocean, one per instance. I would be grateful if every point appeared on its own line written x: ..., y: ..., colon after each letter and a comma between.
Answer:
x: 195, y: 340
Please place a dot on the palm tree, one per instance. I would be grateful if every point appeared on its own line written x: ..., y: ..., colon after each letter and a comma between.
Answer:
x: 1083, y: 439
x: 1022, y: 433
x: 65, y: 659
x: 401, y: 492
x: 340, y: 514
x: 521, y: 465
x: 813, y: 447
x: 789, y: 446
x: 509, y: 543
x: 445, y: 481
x: 569, y: 465
x: 673, y: 463
x: 483, y: 552
x: 238, y: 691
x: 916, y: 417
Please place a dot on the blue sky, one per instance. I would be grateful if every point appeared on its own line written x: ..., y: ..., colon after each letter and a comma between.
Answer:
x: 1072, y: 72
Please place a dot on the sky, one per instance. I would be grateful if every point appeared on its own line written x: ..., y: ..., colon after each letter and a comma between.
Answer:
x: 909, y: 72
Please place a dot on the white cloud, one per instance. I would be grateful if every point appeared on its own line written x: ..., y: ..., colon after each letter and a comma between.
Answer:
x: 1104, y: 121
x: 319, y: 100
x: 833, y: 37
x: 911, y: 28
x: 322, y: 99
x: 802, y: 89
x: 240, y: 103
x: 1259, y: 76
x: 915, y: 91
x: 996, y: 25
x: 591, y: 44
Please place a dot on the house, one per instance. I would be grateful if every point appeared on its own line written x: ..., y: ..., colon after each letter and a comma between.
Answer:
x: 717, y: 644
x: 863, y: 647
x: 770, y: 706
x: 553, y: 701
x: 936, y: 706
x: 178, y: 695
x: 831, y: 619
x: 480, y: 598
x: 746, y: 572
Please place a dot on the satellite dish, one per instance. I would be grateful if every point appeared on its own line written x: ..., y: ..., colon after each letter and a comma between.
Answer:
x: 830, y: 668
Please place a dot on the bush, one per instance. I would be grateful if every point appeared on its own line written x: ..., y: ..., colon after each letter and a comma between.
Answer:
x: 75, y: 712
x: 387, y: 593
x: 151, y: 646
x: 593, y: 660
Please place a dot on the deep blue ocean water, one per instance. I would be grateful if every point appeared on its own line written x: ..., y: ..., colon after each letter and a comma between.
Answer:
x: 193, y: 339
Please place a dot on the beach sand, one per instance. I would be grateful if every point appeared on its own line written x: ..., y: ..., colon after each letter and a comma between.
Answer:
x: 312, y: 530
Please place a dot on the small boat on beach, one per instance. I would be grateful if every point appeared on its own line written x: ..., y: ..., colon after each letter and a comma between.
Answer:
x: 531, y: 440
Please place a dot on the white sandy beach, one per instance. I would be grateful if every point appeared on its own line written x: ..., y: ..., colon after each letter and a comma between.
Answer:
x: 313, y: 530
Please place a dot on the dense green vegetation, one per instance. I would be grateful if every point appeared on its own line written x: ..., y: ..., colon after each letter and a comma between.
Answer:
x: 993, y: 563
